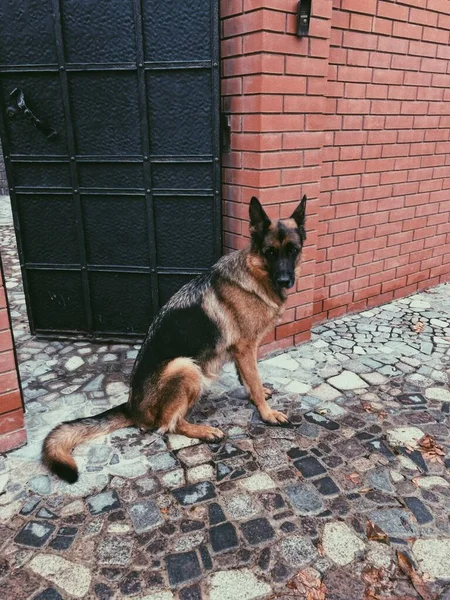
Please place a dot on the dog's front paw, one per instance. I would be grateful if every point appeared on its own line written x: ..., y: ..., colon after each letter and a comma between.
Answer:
x: 211, y: 434
x: 275, y: 417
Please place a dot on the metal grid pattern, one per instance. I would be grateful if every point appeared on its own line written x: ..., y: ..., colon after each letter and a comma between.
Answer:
x: 122, y: 206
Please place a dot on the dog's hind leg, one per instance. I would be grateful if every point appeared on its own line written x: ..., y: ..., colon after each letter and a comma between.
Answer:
x: 179, y: 387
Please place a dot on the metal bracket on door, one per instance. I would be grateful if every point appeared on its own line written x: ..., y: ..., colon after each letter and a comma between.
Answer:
x: 16, y: 106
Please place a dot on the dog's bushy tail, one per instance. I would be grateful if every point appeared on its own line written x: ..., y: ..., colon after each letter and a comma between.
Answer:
x: 60, y: 442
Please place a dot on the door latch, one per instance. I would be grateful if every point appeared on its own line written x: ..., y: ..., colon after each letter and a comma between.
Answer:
x: 16, y: 106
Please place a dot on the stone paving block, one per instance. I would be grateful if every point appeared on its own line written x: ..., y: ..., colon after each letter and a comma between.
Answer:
x: 145, y: 515
x: 61, y: 542
x: 223, y: 537
x: 351, y: 448
x: 114, y: 550
x: 258, y: 482
x: 35, y: 533
x: 162, y: 461
x: 257, y: 531
x: 30, y: 505
x: 40, y: 484
x: 241, y: 506
x: 236, y: 585
x: 192, y: 592
x: 433, y: 557
x: 173, y: 479
x: 393, y: 521
x: 297, y: 551
x: 419, y: 510
x: 199, y: 473
x: 48, y: 594
x: 341, y: 544
x: 282, y: 361
x: 309, y: 467
x: 347, y: 381
x: 216, y: 514
x: 182, y: 568
x: 73, y: 578
x: 305, y: 499
x: 103, y: 502
x: 195, y: 455
x: 326, y: 486
x: 192, y: 494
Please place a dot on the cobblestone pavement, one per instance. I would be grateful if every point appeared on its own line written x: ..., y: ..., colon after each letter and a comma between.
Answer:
x: 165, y: 518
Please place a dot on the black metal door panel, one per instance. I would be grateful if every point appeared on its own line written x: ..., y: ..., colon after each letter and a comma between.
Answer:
x: 121, y: 207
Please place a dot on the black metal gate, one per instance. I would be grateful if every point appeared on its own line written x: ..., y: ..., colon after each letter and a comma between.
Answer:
x: 110, y: 131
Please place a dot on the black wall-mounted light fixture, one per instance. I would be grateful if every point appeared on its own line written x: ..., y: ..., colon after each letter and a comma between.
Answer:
x: 303, y: 16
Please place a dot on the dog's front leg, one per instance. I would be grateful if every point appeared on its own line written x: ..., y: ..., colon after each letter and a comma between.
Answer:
x: 245, y: 358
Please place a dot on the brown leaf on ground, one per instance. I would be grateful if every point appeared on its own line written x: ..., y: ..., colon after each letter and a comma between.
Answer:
x: 417, y: 580
x: 379, y: 584
x: 373, y: 576
x: 418, y: 327
x: 430, y: 449
x: 354, y: 477
x: 308, y: 585
x: 375, y: 533
x: 382, y: 414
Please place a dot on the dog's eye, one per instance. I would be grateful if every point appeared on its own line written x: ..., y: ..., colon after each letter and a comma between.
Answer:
x: 293, y: 250
x: 270, y: 252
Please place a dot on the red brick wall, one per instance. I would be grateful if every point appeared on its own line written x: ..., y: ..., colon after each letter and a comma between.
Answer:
x: 12, y: 433
x: 385, y: 190
x: 273, y: 86
x: 356, y: 116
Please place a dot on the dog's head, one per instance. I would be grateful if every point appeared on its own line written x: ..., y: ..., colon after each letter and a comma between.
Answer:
x: 278, y: 243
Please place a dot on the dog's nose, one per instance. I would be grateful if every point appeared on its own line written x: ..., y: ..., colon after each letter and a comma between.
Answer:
x: 284, y: 281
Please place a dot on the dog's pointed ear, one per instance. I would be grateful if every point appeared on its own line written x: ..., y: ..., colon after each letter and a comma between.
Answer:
x: 259, y: 221
x: 299, y: 214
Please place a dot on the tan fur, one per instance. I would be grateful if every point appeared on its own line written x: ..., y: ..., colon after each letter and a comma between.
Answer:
x: 60, y: 442
x: 189, y: 379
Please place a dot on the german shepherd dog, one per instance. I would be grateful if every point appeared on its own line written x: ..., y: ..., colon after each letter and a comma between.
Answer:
x: 215, y: 318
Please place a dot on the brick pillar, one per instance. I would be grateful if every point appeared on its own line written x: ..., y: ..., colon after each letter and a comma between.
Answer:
x: 12, y: 432
x: 273, y: 88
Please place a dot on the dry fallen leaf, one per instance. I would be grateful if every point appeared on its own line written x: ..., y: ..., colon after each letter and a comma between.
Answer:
x: 306, y: 585
x: 418, y: 327
x: 354, y: 477
x: 373, y: 576
x: 419, y: 584
x: 378, y: 582
x: 382, y: 414
x: 430, y: 449
x: 375, y: 533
